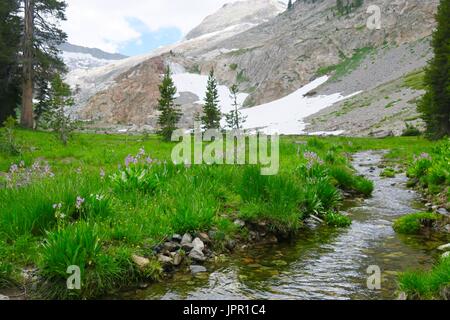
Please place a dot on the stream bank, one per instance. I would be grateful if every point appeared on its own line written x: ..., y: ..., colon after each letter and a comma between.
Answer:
x: 322, y: 262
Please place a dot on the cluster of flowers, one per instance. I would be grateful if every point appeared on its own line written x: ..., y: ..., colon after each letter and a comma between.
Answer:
x: 19, y: 175
x: 423, y: 156
x: 312, y: 159
x: 140, y: 158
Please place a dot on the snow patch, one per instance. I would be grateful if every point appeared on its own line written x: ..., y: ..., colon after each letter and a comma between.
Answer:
x: 284, y: 116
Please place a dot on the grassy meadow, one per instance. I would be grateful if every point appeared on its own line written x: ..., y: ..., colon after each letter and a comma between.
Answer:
x: 104, y: 198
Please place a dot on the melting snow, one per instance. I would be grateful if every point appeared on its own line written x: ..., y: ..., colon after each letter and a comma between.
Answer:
x: 284, y: 116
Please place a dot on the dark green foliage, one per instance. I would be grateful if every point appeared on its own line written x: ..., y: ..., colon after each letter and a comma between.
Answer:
x: 9, y: 64
x: 169, y: 113
x: 344, y: 7
x: 235, y: 120
x: 435, y: 105
x: 411, y: 131
x: 211, y: 110
x: 59, y: 100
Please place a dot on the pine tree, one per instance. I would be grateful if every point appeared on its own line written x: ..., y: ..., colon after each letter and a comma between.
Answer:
x: 290, y: 5
x: 9, y: 58
x: 41, y: 39
x: 435, y: 105
x: 169, y: 113
x: 211, y: 110
x: 60, y: 99
x: 235, y: 120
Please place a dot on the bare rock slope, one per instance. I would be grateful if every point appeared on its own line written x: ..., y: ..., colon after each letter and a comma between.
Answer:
x: 271, y: 59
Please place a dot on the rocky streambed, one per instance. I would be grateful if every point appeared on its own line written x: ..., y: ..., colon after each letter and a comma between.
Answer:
x: 321, y: 263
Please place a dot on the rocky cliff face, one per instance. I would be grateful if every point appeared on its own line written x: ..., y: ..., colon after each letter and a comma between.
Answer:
x: 250, y: 12
x: 274, y: 58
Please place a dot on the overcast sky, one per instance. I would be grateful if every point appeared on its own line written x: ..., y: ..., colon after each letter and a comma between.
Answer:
x: 134, y: 27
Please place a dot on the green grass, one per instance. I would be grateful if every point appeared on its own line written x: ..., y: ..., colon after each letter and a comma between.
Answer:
x: 388, y: 173
x: 128, y: 211
x: 414, y: 223
x: 415, y: 80
x: 427, y: 285
x: 430, y: 171
x: 347, y: 65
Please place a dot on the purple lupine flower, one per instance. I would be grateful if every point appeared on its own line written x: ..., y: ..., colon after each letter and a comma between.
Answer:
x: 149, y: 160
x: 129, y: 160
x: 14, y: 168
x: 79, y: 202
x: 141, y: 152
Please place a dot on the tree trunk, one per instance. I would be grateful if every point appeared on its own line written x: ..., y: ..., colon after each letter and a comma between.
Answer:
x: 27, y: 119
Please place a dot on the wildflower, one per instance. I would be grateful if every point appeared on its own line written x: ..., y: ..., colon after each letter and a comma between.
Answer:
x: 57, y: 206
x: 102, y: 173
x: 141, y: 152
x: 22, y: 164
x: 14, y: 168
x: 78, y: 171
x: 129, y: 160
x: 149, y: 160
x: 79, y: 202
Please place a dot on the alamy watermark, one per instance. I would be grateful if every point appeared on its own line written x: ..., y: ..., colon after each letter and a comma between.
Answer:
x: 374, y: 279
x: 235, y: 147
x: 74, y: 280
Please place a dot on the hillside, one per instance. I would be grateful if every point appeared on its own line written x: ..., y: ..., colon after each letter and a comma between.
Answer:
x: 273, y: 60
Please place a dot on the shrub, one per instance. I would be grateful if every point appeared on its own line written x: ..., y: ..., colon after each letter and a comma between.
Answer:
x: 346, y: 180
x: 413, y: 223
x: 427, y: 284
x: 8, y: 140
x: 388, y: 173
x: 337, y: 220
x: 82, y: 245
x: 411, y: 131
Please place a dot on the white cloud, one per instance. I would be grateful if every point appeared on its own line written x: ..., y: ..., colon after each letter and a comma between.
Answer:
x: 103, y: 23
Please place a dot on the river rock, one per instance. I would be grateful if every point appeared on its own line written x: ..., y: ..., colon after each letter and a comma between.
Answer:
x: 165, y: 260
x: 442, y: 211
x: 204, y: 237
x: 230, y: 245
x: 402, y: 296
x: 447, y: 228
x: 212, y: 234
x: 187, y: 247
x: 239, y: 223
x: 2, y: 297
x: 177, y: 259
x: 141, y: 262
x: 187, y: 238
x: 171, y: 246
x: 198, y: 244
x: 197, y: 269
x: 445, y: 247
x: 177, y: 238
x: 197, y: 255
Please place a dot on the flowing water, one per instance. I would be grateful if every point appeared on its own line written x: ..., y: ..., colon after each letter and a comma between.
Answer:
x: 322, y: 263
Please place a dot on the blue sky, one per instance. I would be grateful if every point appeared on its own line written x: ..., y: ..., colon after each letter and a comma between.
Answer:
x: 149, y: 39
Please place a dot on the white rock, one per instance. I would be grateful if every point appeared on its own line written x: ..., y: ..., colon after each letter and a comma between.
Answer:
x: 446, y: 255
x: 445, y: 247
x: 198, y: 244
x: 197, y: 255
x: 2, y: 297
x: 141, y: 262
x: 187, y: 238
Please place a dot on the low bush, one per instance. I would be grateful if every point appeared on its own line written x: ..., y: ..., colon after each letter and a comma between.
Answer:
x: 414, y: 223
x: 433, y: 284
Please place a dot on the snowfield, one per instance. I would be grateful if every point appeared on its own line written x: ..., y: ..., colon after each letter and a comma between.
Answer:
x: 284, y: 116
